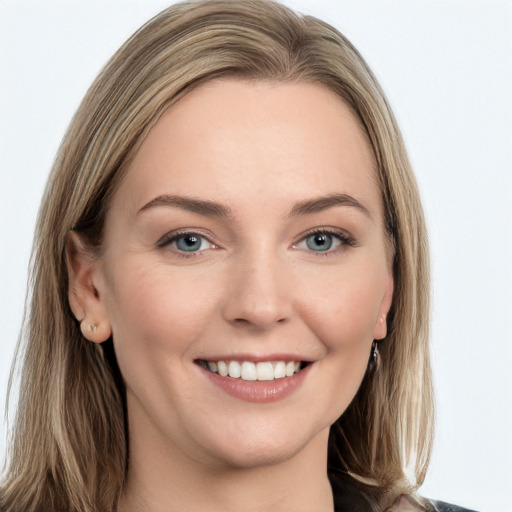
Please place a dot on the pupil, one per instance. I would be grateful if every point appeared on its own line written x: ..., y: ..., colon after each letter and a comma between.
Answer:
x: 189, y: 243
x: 319, y: 242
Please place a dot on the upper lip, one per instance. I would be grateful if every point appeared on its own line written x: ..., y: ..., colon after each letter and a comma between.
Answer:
x: 256, y: 358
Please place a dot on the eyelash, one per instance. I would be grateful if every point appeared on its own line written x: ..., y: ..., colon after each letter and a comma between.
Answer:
x: 171, y: 238
x: 341, y: 236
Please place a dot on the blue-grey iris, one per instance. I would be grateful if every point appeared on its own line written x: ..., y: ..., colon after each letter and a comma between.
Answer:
x: 319, y: 242
x: 188, y: 243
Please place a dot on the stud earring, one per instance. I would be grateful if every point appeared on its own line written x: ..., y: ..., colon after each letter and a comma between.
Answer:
x: 88, y: 329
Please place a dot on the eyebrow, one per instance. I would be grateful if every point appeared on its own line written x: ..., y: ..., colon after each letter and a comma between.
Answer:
x: 191, y: 204
x: 319, y: 204
x: 213, y: 209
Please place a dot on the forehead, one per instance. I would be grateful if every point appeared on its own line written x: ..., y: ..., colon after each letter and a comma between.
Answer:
x: 242, y: 141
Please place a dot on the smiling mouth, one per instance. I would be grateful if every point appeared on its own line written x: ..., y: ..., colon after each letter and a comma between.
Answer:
x: 249, y: 371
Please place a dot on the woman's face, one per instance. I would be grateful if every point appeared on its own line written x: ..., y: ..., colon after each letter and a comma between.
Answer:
x: 248, y: 230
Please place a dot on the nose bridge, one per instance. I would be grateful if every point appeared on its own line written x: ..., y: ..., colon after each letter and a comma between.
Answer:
x: 259, y: 294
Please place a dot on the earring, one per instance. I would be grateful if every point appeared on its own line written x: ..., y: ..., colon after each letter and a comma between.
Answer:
x: 88, y: 329
x: 374, y: 354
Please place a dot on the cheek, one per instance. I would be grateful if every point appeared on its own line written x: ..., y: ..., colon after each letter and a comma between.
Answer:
x: 158, y: 311
x: 343, y: 318
x: 346, y: 307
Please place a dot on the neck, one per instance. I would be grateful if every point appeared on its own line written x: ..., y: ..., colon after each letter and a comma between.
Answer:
x: 167, y: 481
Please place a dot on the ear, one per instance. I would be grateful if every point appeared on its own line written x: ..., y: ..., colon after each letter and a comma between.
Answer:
x: 381, y: 327
x: 85, y: 300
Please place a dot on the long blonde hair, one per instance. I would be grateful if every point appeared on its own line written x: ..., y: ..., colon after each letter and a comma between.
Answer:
x: 69, y: 448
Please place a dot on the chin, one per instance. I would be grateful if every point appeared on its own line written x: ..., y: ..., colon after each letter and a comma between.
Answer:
x: 256, y: 456
x: 261, y: 448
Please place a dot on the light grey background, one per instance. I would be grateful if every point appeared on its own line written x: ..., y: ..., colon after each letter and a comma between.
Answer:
x: 447, y: 69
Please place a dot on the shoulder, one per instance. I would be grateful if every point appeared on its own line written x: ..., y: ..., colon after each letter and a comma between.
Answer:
x: 349, y: 498
x: 408, y: 503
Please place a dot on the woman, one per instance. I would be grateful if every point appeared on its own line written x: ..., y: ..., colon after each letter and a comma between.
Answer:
x: 230, y: 282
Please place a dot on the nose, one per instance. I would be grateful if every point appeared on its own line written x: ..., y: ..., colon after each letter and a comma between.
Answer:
x: 259, y: 294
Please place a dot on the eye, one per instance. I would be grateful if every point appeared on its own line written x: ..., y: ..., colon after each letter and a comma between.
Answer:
x: 324, y: 241
x: 189, y: 243
x: 320, y: 242
x: 186, y: 242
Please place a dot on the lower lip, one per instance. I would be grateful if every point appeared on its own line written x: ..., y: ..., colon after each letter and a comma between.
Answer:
x: 259, y: 391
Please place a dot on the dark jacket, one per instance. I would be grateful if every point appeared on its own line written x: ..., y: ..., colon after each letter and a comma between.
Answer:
x: 348, y: 498
x: 441, y: 506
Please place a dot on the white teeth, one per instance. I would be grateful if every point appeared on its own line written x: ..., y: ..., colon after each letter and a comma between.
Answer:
x: 290, y: 368
x: 265, y: 371
x: 279, y: 370
x: 222, y: 368
x: 234, y: 369
x: 247, y: 370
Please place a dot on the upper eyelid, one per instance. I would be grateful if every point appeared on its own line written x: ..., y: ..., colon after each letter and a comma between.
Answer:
x: 173, y: 235
x: 341, y: 233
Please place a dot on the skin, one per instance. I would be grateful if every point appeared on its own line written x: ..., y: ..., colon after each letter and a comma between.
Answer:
x: 254, y: 287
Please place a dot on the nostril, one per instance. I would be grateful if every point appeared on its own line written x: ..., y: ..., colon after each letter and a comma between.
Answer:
x: 259, y: 323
